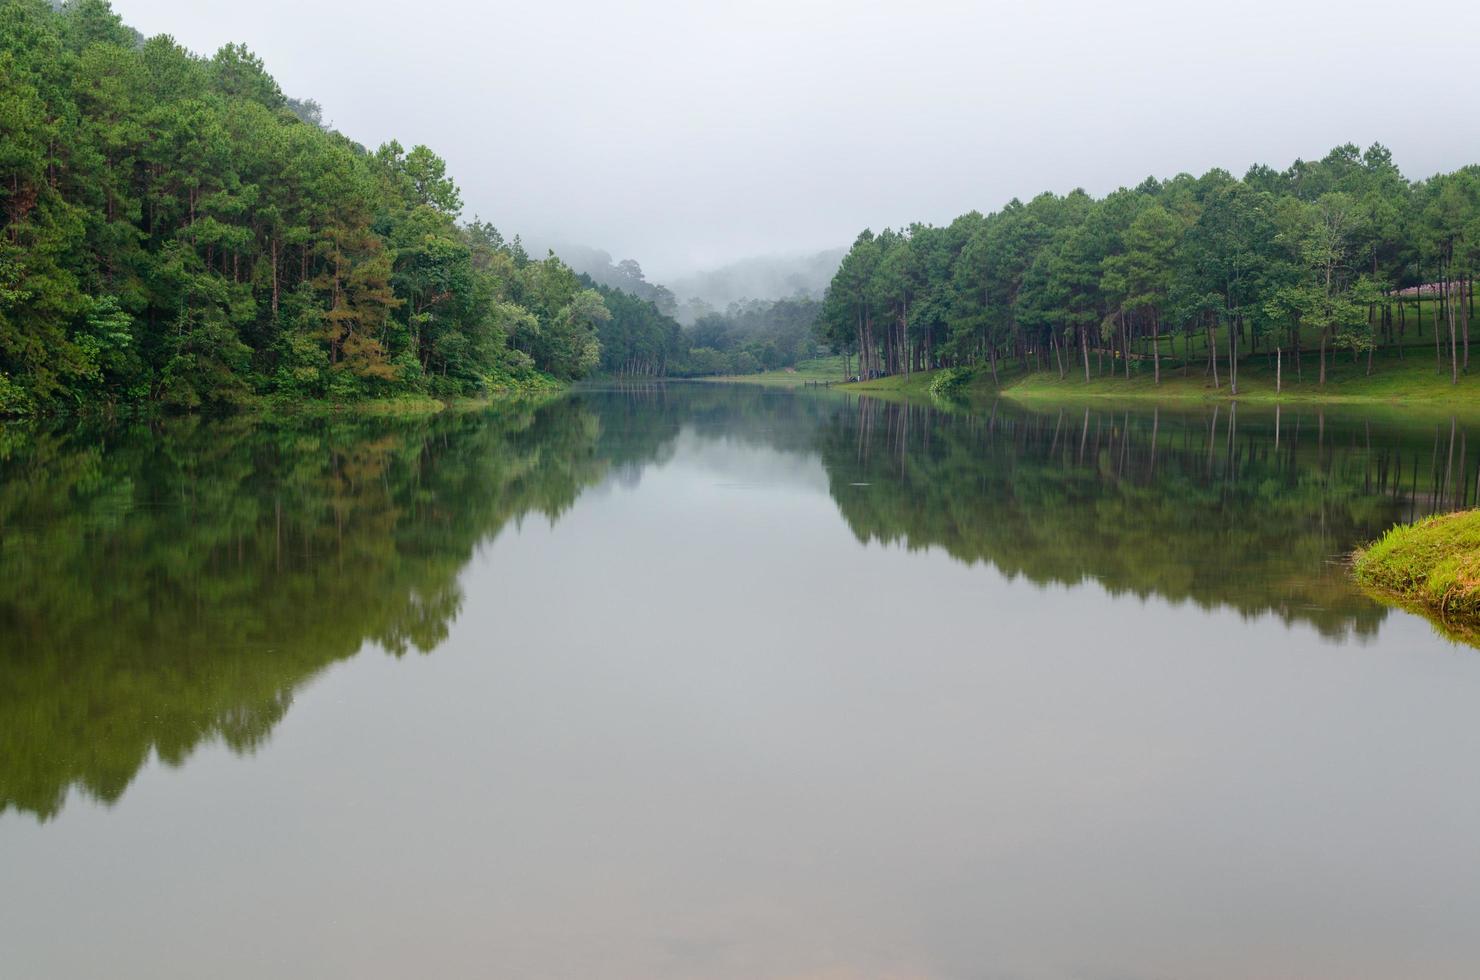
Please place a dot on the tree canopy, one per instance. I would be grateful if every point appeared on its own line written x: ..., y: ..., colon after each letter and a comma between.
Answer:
x: 175, y: 230
x: 1321, y: 253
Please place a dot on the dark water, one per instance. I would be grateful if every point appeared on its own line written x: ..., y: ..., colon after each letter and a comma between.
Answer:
x: 726, y: 682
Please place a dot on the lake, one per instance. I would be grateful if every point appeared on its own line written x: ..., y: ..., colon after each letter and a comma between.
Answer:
x: 720, y: 681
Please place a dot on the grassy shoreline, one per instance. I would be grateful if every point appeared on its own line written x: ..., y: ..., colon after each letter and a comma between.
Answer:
x: 1399, y: 377
x: 1431, y: 567
x: 1395, y: 380
x: 269, y: 407
x: 406, y: 406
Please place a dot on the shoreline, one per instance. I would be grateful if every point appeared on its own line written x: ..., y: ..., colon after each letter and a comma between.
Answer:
x: 399, y: 406
x: 1431, y: 567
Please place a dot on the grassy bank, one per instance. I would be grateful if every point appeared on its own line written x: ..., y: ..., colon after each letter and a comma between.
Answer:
x: 407, y: 406
x: 1404, y: 376
x: 1395, y: 380
x: 1392, y: 378
x: 536, y: 387
x: 1432, y: 566
x: 915, y: 384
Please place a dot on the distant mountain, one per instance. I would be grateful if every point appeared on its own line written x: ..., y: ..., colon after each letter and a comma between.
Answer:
x: 763, y: 277
x: 625, y: 275
x: 688, y: 297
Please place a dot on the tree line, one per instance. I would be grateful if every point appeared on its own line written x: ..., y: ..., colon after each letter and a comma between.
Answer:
x: 175, y: 230
x: 1344, y: 253
x: 754, y: 335
x: 645, y: 338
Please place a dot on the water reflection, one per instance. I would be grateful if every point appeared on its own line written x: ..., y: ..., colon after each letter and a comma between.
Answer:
x: 163, y: 587
x: 166, y: 586
x: 1255, y: 510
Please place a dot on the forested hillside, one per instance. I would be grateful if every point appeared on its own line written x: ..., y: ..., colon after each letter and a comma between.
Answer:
x: 645, y: 338
x: 175, y: 230
x: 639, y: 340
x: 1343, y: 254
x: 757, y: 335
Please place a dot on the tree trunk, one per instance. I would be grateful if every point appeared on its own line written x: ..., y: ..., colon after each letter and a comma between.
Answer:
x: 1213, y: 355
x: 1453, y: 339
x: 1232, y: 358
x: 1156, y: 346
x: 1125, y: 345
x: 1084, y: 348
x: 1438, y: 356
x: 905, y: 335
x: 1466, y: 287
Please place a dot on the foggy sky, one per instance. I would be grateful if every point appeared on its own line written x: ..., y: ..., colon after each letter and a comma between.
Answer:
x: 688, y: 134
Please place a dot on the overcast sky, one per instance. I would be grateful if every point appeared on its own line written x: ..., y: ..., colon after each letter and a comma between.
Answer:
x: 688, y: 134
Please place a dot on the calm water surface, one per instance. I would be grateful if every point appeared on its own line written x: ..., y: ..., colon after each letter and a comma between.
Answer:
x: 726, y: 682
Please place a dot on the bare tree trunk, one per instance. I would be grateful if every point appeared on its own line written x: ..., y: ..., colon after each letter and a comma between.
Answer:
x: 1125, y: 344
x: 1438, y: 357
x: 1453, y: 339
x: 1084, y: 349
x: 1279, y: 373
x: 274, y: 277
x: 1213, y: 354
x: 1466, y: 287
x: 1232, y: 358
x: 1156, y: 346
x: 905, y: 335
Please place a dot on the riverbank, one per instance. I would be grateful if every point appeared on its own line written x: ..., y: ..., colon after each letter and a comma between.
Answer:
x: 1432, y: 566
x: 1393, y: 380
x: 405, y: 406
x: 398, y: 406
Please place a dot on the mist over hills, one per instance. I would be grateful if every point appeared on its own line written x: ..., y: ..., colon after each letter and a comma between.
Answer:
x: 691, y: 295
x: 761, y: 277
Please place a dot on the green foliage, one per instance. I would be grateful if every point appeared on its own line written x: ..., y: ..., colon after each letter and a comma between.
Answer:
x: 949, y: 383
x: 750, y: 337
x: 1318, y: 253
x: 638, y: 338
x: 174, y: 230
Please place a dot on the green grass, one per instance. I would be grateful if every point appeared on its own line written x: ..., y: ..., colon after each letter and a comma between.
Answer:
x: 917, y: 383
x: 1402, y: 375
x: 1405, y: 381
x: 1432, y: 566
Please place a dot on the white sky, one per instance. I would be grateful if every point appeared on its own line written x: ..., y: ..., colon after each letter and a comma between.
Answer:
x: 689, y: 134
